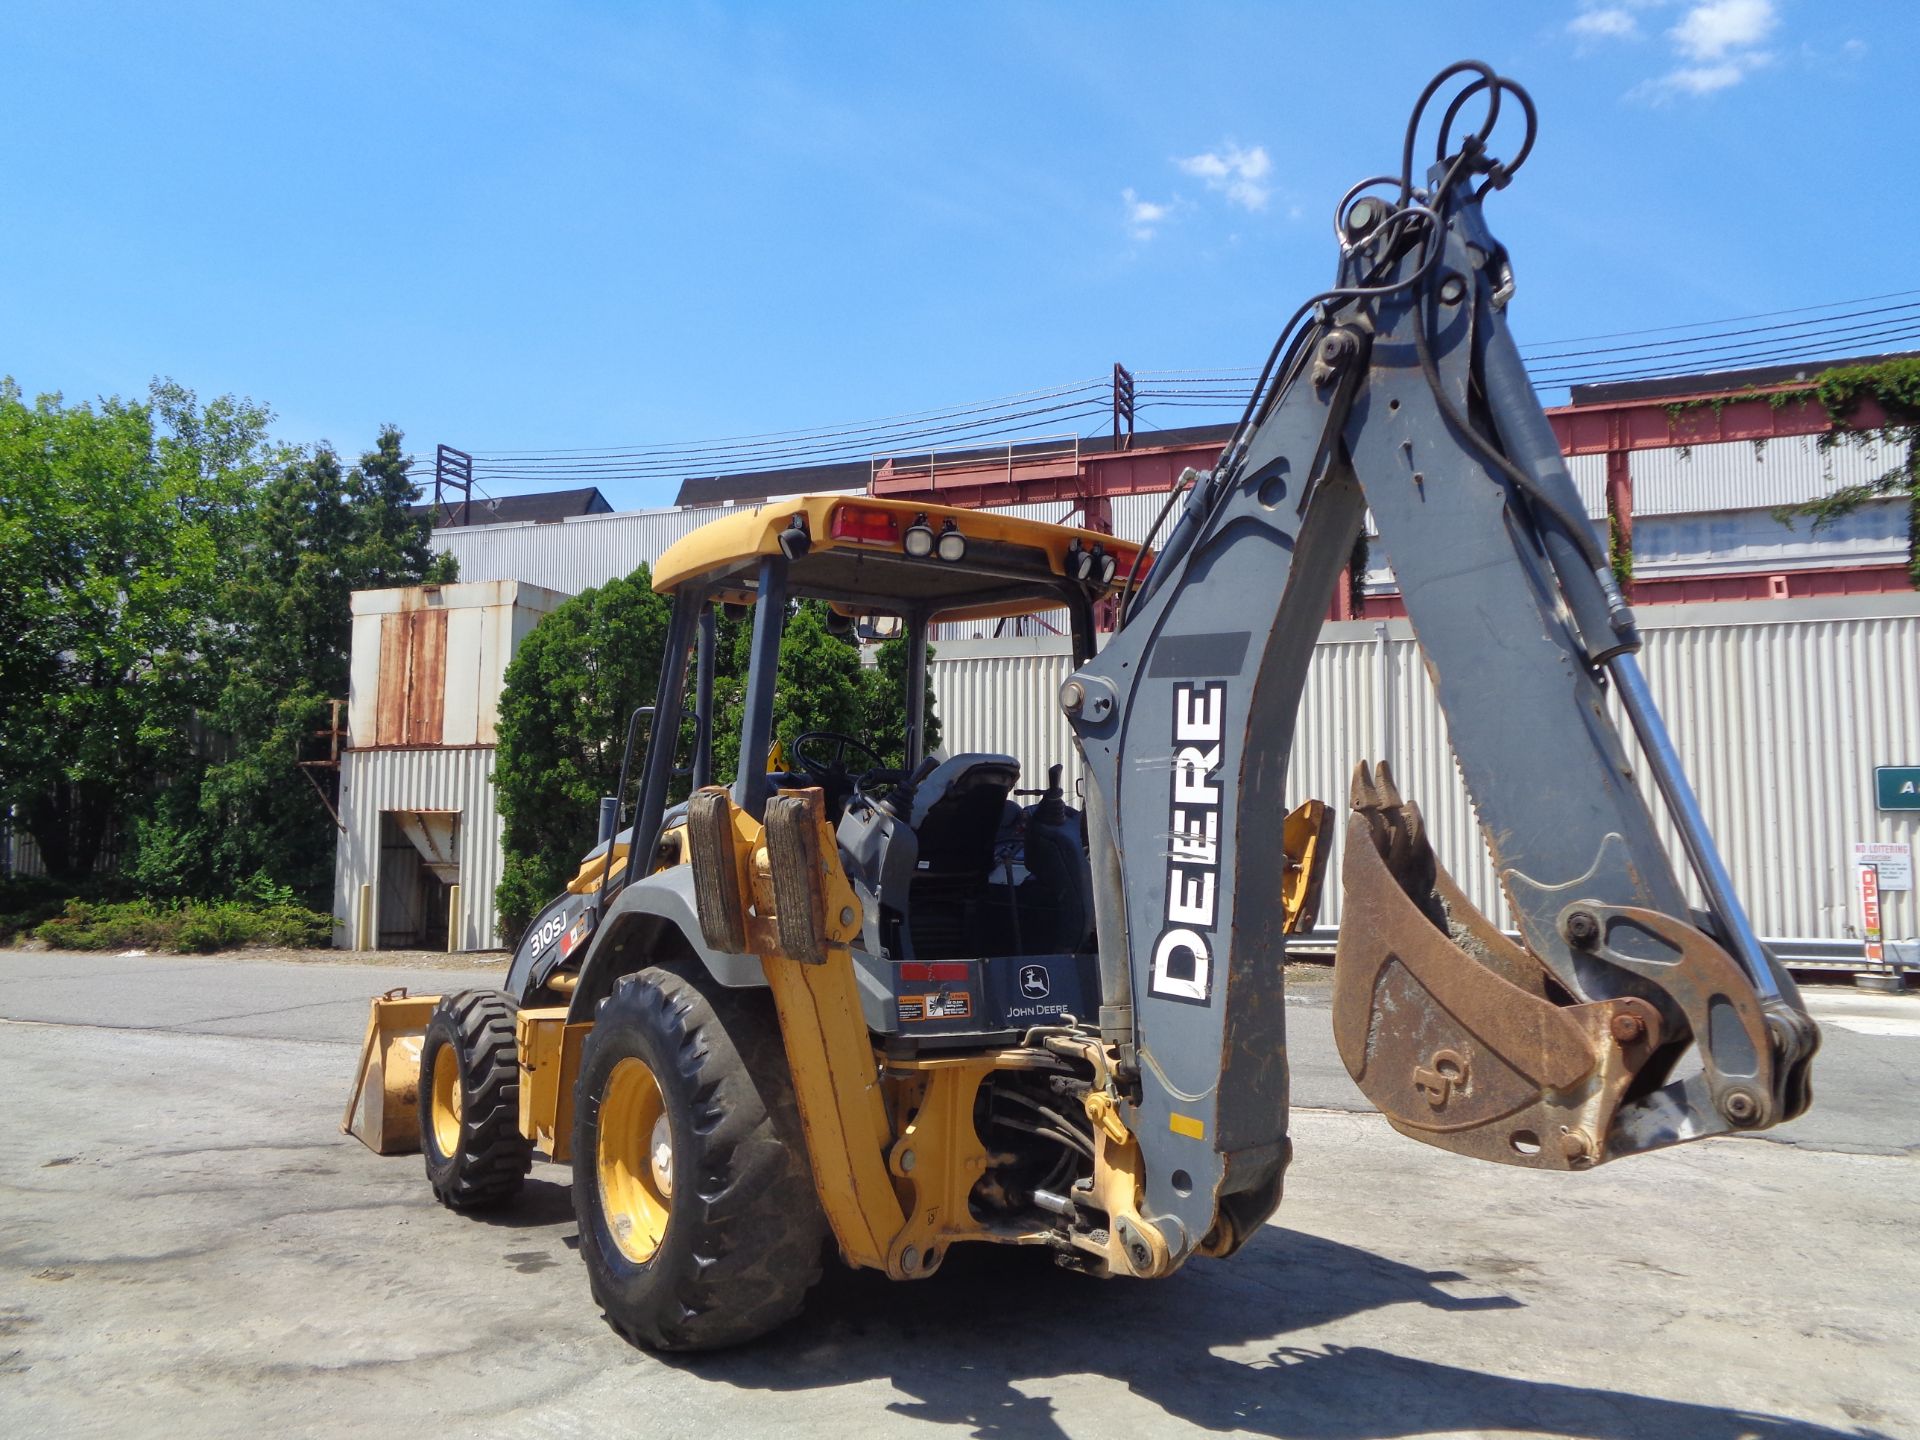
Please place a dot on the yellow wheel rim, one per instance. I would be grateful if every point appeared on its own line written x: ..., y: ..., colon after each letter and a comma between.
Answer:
x: 635, y: 1160
x: 447, y: 1101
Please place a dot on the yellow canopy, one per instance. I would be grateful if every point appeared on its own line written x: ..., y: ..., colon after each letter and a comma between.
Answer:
x: 856, y: 557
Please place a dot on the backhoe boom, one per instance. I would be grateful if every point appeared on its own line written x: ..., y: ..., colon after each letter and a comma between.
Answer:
x: 1404, y: 395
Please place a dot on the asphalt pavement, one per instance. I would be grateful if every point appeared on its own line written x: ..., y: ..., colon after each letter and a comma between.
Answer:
x: 189, y: 1246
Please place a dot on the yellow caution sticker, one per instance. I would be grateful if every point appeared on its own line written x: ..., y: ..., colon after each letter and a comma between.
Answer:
x: 1187, y: 1125
x: 946, y: 1005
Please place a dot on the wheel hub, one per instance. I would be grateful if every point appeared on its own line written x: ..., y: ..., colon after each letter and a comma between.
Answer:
x: 634, y: 1160
x: 448, y: 1101
x: 661, y: 1154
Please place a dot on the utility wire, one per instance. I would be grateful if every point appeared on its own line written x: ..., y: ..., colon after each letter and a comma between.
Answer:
x: 908, y: 443
x: 1884, y: 314
x: 1733, y: 319
x: 1831, y: 328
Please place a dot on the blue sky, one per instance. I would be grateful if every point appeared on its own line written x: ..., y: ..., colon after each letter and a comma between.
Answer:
x: 552, y: 224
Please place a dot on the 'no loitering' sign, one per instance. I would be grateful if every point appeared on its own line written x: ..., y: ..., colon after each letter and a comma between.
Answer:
x: 1891, y: 862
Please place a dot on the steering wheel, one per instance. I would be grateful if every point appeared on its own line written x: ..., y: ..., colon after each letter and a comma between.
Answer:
x: 824, y: 753
x: 808, y: 747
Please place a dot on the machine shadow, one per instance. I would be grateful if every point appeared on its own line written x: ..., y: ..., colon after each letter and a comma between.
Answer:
x: 965, y: 1346
x: 540, y: 1205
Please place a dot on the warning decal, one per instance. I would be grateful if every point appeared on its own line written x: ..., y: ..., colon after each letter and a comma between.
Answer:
x: 946, y: 1005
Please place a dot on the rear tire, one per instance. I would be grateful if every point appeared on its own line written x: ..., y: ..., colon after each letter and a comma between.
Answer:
x: 716, y: 1240
x: 470, y: 1101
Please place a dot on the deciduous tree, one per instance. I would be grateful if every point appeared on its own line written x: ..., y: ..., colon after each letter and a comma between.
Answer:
x: 119, y: 527
x: 564, y: 707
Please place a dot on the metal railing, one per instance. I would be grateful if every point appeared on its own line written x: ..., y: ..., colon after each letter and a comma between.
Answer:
x: 927, y: 467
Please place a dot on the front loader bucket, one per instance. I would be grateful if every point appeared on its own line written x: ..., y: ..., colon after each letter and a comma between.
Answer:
x: 384, y: 1109
x: 1452, y: 1029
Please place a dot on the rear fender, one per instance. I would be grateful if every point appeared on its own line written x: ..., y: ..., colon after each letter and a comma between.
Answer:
x: 652, y: 918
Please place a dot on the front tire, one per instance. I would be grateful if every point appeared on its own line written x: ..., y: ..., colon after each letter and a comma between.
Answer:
x: 698, y: 1219
x: 470, y: 1101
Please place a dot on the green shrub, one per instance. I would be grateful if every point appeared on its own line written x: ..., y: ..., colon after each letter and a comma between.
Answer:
x: 187, y: 927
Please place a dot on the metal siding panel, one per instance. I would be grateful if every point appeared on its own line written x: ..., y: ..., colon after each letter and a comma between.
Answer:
x: 390, y: 689
x: 375, y: 781
x: 466, y: 693
x: 575, y: 554
x: 1740, y: 476
x: 1747, y: 540
x: 1132, y: 514
x: 1006, y: 704
x: 1780, y: 711
x: 1589, y: 474
x: 363, y: 676
x: 489, y: 668
x: 426, y: 697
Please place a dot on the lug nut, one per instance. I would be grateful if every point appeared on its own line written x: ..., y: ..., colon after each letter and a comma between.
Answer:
x: 1573, y: 1147
x: 1073, y: 697
x: 1627, y: 1028
x: 1452, y: 290
x: 1583, y: 928
x: 1740, y: 1108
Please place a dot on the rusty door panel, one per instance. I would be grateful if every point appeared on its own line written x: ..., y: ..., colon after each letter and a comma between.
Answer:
x: 413, y: 678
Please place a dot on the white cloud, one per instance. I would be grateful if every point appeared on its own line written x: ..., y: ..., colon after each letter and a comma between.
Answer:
x: 1704, y: 79
x: 1238, y: 174
x: 1611, y: 23
x: 1718, y: 44
x: 1710, y: 31
x: 1143, y: 215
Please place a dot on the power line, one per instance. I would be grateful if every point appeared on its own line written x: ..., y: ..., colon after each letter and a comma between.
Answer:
x: 855, y: 447
x: 1732, y: 319
x: 1677, y: 346
x: 798, y: 436
x: 1810, y: 352
x: 1732, y: 343
x: 1730, y: 356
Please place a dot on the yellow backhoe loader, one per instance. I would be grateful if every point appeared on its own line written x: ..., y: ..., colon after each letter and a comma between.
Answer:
x: 892, y: 1010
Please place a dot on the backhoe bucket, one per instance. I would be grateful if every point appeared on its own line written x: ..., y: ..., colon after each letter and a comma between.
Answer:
x: 384, y: 1109
x: 1449, y: 1027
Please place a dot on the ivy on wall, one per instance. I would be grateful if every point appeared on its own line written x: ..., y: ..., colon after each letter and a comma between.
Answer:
x: 1894, y: 385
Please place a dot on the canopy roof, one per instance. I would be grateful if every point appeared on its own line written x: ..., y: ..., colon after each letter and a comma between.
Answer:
x: 856, y: 556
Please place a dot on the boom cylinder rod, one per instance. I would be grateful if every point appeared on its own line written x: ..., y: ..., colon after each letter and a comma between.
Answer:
x: 1685, y: 808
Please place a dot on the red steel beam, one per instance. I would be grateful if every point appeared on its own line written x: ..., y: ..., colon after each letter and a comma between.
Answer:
x: 1610, y: 428
x: 1707, y: 419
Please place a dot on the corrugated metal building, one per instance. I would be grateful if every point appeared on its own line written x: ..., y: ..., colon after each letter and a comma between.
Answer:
x: 419, y: 853
x: 1781, y: 708
x: 1781, y: 711
x: 1699, y: 511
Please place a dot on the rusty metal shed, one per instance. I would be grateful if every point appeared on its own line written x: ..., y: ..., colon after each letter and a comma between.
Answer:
x: 419, y: 848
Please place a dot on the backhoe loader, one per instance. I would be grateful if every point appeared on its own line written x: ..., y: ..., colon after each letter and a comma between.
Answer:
x: 883, y: 1011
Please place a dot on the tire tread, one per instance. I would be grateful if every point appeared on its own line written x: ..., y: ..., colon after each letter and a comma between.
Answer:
x: 494, y: 1156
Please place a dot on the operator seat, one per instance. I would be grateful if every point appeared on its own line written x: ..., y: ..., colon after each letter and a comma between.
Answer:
x: 937, y: 853
x: 957, y: 812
